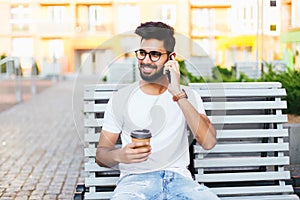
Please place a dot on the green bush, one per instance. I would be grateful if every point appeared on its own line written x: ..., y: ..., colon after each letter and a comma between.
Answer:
x: 3, y: 66
x: 289, y: 79
x: 35, y: 69
x: 219, y: 74
x: 187, y: 77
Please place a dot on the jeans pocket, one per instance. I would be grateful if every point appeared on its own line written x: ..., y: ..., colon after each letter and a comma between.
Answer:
x: 121, y: 178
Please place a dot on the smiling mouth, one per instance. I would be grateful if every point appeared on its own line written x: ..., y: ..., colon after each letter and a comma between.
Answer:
x: 148, y: 69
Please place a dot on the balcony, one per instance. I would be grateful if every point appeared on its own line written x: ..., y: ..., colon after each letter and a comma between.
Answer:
x: 55, y: 29
x: 103, y: 29
x: 54, y: 2
x: 85, y: 2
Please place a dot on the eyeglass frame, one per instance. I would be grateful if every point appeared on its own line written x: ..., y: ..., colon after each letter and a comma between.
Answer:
x: 149, y: 53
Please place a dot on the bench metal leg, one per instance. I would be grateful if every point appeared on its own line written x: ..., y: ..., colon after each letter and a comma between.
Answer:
x: 79, y: 194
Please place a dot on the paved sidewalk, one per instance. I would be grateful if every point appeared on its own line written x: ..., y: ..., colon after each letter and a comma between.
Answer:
x: 41, y: 147
x: 8, y: 90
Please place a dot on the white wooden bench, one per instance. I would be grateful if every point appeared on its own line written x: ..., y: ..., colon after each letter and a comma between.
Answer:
x: 249, y: 159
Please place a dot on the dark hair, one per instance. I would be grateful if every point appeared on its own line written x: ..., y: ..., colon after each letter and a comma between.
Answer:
x: 159, y: 31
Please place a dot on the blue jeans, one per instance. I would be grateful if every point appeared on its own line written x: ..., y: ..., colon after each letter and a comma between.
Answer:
x: 160, y: 185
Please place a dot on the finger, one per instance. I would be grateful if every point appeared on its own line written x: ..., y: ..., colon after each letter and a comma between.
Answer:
x: 133, y: 145
x: 140, y: 157
x: 174, y: 69
x: 139, y: 144
x: 176, y: 66
x: 143, y: 149
x: 166, y: 69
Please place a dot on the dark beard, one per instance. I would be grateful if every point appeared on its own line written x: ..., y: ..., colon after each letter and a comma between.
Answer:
x: 154, y: 77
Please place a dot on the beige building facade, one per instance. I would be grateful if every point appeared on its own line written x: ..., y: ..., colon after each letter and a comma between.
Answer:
x: 87, y: 35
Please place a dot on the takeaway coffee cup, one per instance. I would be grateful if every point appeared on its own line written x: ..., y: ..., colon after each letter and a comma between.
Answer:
x: 143, y: 135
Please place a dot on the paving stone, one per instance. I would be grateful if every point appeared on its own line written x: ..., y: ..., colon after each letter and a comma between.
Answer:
x: 23, y: 195
x: 29, y: 187
x: 7, y: 198
x: 37, y: 194
x: 32, y: 197
x: 50, y: 197
x: 21, y: 198
x: 8, y: 195
x: 41, y: 150
x: 41, y: 188
x: 12, y: 189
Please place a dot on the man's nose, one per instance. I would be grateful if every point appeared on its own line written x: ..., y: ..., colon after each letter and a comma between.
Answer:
x: 147, y: 59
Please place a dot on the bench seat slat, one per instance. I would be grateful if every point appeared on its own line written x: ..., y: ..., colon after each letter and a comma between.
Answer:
x: 222, y: 134
x: 219, y: 191
x: 91, y: 95
x: 240, y: 161
x: 107, y: 195
x: 242, y: 93
x: 104, y: 87
x: 265, y: 197
x: 101, y: 181
x: 246, y: 105
x: 252, y: 190
x: 215, y: 162
x: 93, y: 122
x: 248, y: 119
x: 91, y: 151
x: 225, y: 148
x: 250, y: 105
x: 246, y: 176
x: 97, y: 195
x: 94, y: 108
x: 94, y: 167
x: 233, y: 119
x: 236, y: 85
x: 91, y: 137
x: 252, y: 133
x: 236, y: 148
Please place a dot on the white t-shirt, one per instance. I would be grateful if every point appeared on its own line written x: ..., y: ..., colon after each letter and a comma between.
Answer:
x: 164, y: 118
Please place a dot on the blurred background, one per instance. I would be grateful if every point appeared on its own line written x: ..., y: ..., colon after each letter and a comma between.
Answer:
x: 78, y: 42
x: 58, y: 37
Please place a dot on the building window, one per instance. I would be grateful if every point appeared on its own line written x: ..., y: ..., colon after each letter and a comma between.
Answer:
x: 272, y: 27
x: 210, y: 21
x: 273, y: 3
x: 94, y: 18
x: 244, y: 17
x: 56, y: 14
x: 286, y: 19
x: 22, y: 47
x: 55, y: 49
x: 168, y: 14
x: 202, y: 47
x: 128, y: 17
x: 20, y: 17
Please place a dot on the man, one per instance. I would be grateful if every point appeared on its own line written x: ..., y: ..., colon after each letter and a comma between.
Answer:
x: 155, y: 170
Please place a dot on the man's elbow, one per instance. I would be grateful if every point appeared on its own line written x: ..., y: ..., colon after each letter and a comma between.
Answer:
x: 209, y: 141
x: 100, y: 163
x: 208, y: 145
x: 98, y: 156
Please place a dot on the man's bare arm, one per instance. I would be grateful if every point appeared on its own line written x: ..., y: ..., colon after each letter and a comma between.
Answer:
x: 108, y: 155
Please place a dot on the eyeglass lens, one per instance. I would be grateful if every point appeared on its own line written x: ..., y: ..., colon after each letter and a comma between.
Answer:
x: 154, y: 55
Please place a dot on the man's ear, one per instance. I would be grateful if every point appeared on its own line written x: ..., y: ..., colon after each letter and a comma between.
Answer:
x: 172, y: 56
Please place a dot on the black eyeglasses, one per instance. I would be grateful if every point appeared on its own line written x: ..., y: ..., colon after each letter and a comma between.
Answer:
x: 153, y: 55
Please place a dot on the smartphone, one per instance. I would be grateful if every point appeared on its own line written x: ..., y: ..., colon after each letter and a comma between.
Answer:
x: 167, y: 71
